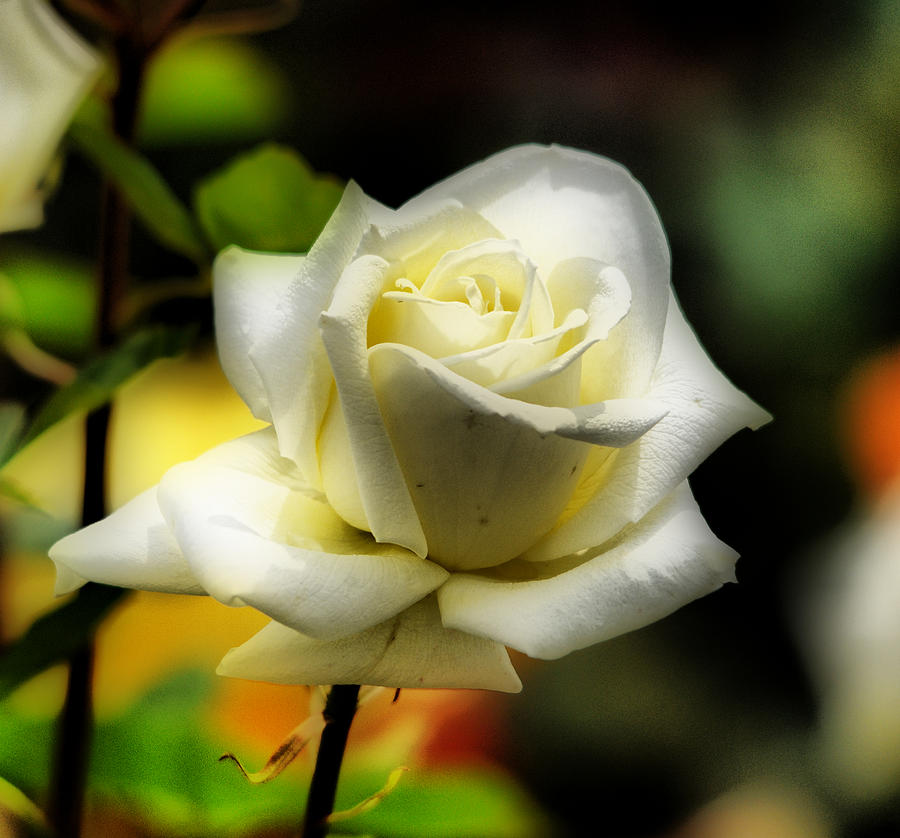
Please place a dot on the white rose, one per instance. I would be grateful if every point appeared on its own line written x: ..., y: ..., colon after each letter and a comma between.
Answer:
x: 484, y: 407
x: 46, y: 69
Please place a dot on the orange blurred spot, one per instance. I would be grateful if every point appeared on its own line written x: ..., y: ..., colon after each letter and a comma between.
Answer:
x: 873, y: 422
x: 435, y: 728
x: 257, y: 715
x: 466, y: 729
x: 442, y: 727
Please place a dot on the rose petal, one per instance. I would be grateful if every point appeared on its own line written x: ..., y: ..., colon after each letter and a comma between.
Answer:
x: 493, y: 365
x: 704, y: 409
x: 132, y: 548
x: 490, y: 474
x: 576, y: 285
x: 247, y: 288
x: 254, y: 533
x: 416, y: 241
x: 288, y: 352
x: 412, y: 649
x: 662, y: 563
x: 389, y: 510
x: 510, y: 271
x: 45, y: 71
x: 338, y: 470
x: 561, y: 204
x: 436, y: 327
x: 615, y: 423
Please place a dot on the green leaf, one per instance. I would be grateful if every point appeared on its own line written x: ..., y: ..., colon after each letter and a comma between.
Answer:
x: 466, y: 803
x: 157, y: 761
x: 52, y: 297
x: 268, y: 199
x: 13, y: 491
x: 154, y: 203
x: 55, y: 636
x: 98, y: 379
x: 14, y: 802
x: 372, y: 800
x: 12, y: 422
x: 12, y: 310
x: 236, y: 94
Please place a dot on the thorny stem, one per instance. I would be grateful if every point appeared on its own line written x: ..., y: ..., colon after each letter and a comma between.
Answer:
x: 67, y: 792
x: 340, y: 707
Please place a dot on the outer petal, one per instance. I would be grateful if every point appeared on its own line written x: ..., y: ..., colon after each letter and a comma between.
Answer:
x: 246, y: 291
x: 45, y: 71
x: 561, y: 204
x: 389, y: 510
x: 662, y: 563
x: 489, y: 474
x: 132, y: 548
x: 412, y: 649
x: 704, y: 409
x: 288, y: 354
x: 255, y: 534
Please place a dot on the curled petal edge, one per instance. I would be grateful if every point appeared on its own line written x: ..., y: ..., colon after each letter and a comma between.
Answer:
x: 615, y: 423
x: 131, y: 548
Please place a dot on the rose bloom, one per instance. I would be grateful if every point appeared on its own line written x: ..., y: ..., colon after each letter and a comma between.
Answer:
x: 46, y: 69
x: 484, y: 407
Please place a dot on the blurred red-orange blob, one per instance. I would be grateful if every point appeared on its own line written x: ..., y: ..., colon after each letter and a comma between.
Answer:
x: 872, y: 422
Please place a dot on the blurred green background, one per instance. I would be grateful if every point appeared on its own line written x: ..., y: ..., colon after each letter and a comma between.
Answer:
x: 767, y: 135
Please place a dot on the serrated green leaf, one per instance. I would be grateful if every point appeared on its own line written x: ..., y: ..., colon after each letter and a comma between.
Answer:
x: 55, y: 636
x: 268, y: 199
x: 98, y: 379
x: 153, y: 202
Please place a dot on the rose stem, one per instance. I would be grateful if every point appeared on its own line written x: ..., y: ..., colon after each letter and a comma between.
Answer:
x: 69, y: 782
x: 340, y: 707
